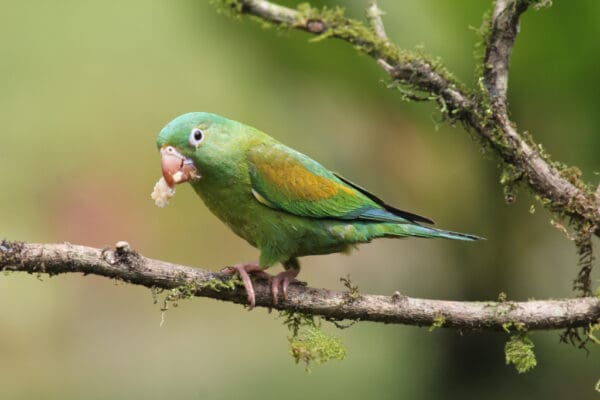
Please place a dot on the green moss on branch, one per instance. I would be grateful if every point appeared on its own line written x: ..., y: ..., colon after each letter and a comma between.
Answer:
x: 519, y: 352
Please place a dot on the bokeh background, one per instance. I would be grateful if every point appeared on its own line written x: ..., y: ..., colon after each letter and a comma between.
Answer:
x: 85, y: 86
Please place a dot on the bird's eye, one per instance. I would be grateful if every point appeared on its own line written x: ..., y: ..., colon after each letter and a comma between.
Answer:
x: 196, y: 137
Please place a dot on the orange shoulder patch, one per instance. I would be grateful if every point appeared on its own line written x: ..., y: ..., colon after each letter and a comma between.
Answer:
x: 291, y: 177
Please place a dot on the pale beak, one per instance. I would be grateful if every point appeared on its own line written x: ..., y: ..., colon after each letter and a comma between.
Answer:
x: 176, y: 168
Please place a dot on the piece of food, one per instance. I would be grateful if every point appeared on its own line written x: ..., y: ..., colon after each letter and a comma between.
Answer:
x: 162, y: 193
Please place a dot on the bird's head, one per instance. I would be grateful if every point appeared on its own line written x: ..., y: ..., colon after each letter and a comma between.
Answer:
x: 193, y: 143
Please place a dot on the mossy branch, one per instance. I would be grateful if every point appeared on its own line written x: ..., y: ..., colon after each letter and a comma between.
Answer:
x: 483, y: 110
x: 124, y: 264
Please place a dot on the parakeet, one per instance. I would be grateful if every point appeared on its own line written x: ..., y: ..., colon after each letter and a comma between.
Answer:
x: 279, y: 200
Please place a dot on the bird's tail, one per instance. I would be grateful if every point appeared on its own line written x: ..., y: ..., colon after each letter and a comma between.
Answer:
x: 403, y: 230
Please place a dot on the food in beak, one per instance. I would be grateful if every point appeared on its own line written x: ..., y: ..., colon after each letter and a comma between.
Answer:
x: 162, y: 193
x: 176, y: 168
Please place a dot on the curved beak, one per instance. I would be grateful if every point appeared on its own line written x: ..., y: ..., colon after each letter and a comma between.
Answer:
x: 176, y: 168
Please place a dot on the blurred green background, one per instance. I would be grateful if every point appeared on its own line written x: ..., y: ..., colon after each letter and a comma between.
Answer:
x: 85, y: 87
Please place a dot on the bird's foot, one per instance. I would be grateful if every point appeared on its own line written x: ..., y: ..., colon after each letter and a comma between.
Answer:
x: 283, y: 279
x: 244, y: 270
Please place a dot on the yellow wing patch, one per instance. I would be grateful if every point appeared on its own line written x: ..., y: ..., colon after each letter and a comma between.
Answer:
x: 299, y: 183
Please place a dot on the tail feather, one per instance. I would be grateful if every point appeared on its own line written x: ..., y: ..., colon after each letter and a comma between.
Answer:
x: 427, y: 232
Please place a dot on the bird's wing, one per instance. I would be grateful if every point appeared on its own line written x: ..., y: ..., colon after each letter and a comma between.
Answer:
x: 287, y: 180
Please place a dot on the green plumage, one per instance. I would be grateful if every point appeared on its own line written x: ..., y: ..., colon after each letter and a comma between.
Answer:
x: 279, y: 200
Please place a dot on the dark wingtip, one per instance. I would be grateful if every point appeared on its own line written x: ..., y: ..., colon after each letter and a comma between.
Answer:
x: 409, y: 216
x: 396, y: 211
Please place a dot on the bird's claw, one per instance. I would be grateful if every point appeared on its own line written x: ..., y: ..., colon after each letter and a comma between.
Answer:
x: 282, y: 279
x: 244, y: 270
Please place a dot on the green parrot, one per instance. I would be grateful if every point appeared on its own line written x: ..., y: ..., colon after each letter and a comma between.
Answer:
x: 279, y: 200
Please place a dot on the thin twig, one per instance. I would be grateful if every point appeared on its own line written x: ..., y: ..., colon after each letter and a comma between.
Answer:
x: 374, y: 15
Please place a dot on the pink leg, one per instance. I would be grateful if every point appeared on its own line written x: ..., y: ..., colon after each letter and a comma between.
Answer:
x: 244, y: 270
x: 282, y: 279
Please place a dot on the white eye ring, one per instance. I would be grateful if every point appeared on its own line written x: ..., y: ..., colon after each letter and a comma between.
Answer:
x: 196, y: 137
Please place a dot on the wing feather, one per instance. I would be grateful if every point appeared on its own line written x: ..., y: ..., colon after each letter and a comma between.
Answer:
x: 287, y: 180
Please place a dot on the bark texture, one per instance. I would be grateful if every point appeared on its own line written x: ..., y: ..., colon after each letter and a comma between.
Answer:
x: 122, y: 263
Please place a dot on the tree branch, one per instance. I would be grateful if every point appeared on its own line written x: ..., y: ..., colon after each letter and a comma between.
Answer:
x: 544, y: 178
x: 125, y: 264
x: 503, y: 33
